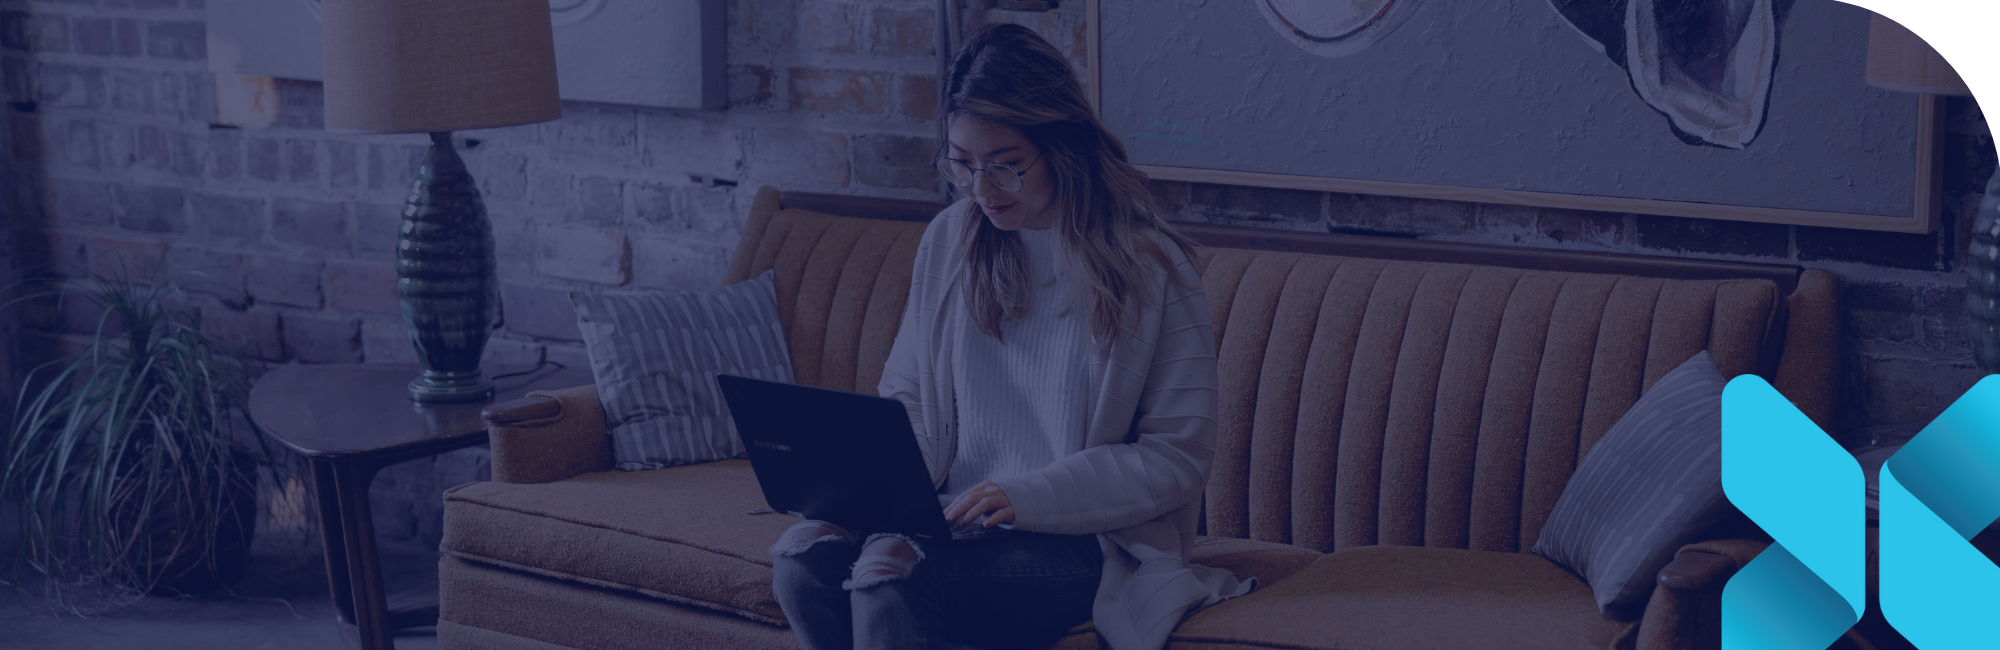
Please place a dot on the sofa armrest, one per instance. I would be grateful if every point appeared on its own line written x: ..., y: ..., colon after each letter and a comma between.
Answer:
x: 548, y: 436
x: 1697, y: 569
x: 513, y: 413
x: 1686, y: 608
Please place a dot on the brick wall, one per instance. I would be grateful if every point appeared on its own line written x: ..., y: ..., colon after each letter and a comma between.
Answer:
x: 114, y: 150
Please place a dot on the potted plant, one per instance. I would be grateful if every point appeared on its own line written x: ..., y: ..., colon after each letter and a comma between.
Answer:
x: 124, y: 460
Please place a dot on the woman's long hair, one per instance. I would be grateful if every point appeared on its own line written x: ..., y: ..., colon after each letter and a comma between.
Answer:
x: 1008, y: 75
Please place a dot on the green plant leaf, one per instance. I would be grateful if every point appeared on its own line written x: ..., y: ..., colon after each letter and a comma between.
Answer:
x: 136, y: 426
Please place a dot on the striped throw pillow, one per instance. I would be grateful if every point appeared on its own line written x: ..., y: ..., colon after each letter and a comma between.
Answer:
x: 1650, y: 485
x: 655, y: 357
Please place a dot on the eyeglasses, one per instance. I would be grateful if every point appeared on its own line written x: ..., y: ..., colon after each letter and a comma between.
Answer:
x: 962, y: 174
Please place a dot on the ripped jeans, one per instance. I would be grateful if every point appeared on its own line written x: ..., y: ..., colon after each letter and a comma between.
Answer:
x: 885, y: 591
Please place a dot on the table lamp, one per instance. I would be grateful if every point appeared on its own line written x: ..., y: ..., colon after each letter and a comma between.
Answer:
x: 1899, y: 60
x: 437, y: 66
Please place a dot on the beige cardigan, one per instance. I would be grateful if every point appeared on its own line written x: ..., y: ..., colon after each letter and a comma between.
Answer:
x: 1138, y: 482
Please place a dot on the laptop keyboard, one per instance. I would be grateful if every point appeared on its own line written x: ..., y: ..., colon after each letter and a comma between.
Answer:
x: 976, y: 530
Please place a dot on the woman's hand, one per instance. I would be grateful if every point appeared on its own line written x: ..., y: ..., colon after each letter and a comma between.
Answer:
x: 983, y: 499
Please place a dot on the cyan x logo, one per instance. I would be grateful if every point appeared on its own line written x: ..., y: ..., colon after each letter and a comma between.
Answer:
x: 1938, y: 491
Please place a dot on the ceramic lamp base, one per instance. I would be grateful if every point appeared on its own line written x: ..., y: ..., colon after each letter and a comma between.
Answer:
x: 445, y: 280
x: 1982, y: 279
x: 451, y: 387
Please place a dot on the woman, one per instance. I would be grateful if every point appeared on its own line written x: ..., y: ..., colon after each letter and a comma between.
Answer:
x: 1058, y: 365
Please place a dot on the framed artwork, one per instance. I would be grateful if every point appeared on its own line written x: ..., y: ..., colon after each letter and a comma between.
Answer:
x: 665, y: 53
x: 1746, y: 110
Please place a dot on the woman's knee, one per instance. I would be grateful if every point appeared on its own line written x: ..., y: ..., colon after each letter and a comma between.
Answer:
x: 884, y: 557
x: 810, y: 558
x: 803, y: 536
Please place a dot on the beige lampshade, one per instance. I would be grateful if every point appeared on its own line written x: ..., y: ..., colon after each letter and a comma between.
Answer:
x: 1899, y: 60
x: 403, y: 66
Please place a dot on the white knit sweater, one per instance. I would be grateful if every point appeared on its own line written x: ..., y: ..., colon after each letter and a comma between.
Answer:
x: 1138, y: 481
x: 1023, y: 400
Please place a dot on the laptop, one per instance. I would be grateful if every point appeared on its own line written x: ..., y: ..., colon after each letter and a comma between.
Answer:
x: 836, y: 456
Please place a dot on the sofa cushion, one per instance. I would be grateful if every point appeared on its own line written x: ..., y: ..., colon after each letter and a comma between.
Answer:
x: 587, y: 529
x: 678, y: 534
x: 1268, y: 562
x: 1409, y: 597
x: 489, y: 608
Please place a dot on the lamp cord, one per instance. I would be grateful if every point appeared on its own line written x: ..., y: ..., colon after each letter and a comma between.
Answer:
x: 541, y: 361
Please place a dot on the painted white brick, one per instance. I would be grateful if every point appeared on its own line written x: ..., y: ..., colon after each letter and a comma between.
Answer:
x: 586, y: 253
x: 687, y: 263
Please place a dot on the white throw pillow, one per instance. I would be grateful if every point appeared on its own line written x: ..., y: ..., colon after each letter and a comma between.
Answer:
x: 1649, y: 486
x: 655, y: 357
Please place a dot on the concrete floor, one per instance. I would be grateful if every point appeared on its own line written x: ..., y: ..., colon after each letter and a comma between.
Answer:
x: 282, y: 605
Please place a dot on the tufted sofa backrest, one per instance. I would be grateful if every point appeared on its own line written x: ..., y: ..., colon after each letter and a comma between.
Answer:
x: 1364, y: 401
x: 1427, y: 404
x: 841, y: 287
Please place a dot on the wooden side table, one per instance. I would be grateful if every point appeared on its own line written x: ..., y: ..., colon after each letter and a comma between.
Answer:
x: 350, y: 421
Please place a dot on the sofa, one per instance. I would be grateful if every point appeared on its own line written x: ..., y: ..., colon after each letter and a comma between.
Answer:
x: 1397, y: 420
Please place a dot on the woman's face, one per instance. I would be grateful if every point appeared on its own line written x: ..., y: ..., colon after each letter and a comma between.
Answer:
x: 980, y: 143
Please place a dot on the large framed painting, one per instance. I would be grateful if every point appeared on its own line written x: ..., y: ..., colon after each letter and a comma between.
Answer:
x: 1748, y: 110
